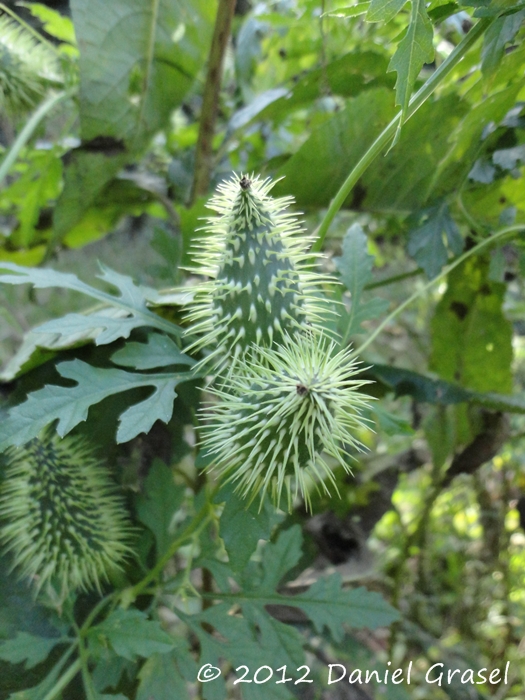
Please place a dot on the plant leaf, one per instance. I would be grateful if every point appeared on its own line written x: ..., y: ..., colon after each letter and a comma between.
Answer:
x: 158, y: 351
x: 316, y: 171
x: 280, y: 557
x: 404, y: 382
x: 131, y: 634
x: 355, y: 268
x: 328, y: 604
x: 414, y: 50
x: 384, y: 10
x: 160, y: 678
x: 471, y: 338
x: 70, y: 405
x: 350, y: 10
x: 501, y: 31
x: 241, y: 527
x: 26, y: 647
x: 160, y: 502
x: 138, y: 59
x: 132, y: 298
x: 426, y: 244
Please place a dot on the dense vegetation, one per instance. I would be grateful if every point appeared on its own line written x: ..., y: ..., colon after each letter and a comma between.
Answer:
x: 380, y: 525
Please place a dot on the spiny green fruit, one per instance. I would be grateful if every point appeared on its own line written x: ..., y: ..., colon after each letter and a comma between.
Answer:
x: 282, y: 413
x: 61, y: 518
x: 260, y: 283
x: 27, y: 68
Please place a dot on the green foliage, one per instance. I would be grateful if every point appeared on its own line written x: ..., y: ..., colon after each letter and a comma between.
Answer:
x: 355, y: 267
x: 158, y: 505
x: 472, y: 339
x: 241, y: 528
x: 314, y: 173
x: 93, y: 384
x: 423, y: 263
x: 426, y: 244
x: 131, y: 634
x: 414, y: 50
x: 28, y: 649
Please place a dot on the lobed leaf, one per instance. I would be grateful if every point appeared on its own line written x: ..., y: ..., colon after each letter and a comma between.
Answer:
x: 241, y: 527
x: 161, y: 500
x: 131, y: 299
x: 70, y: 405
x: 384, y: 10
x: 28, y: 648
x: 131, y: 634
x: 355, y: 268
x: 328, y: 604
x: 426, y: 244
x: 413, y: 51
x: 158, y: 351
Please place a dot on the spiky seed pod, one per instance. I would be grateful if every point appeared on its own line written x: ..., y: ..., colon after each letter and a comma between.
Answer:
x: 261, y: 285
x: 283, y: 413
x: 60, y: 515
x: 27, y: 68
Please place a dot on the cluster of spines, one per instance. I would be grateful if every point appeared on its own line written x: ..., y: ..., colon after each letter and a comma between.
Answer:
x: 61, y: 517
x: 27, y: 67
x: 283, y: 410
x: 288, y: 407
x: 261, y: 285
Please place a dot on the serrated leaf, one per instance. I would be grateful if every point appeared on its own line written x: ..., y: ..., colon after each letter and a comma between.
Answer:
x: 426, y: 244
x: 161, y: 500
x: 245, y: 644
x: 160, y: 679
x: 282, y: 643
x: 109, y: 669
x: 414, y: 50
x: 501, y: 31
x: 131, y: 298
x: 355, y: 268
x: 280, y: 557
x: 384, y: 10
x: 70, y: 405
x: 131, y: 634
x: 328, y: 604
x: 241, y: 527
x: 26, y: 647
x: 350, y: 10
x: 158, y: 351
x: 102, y: 327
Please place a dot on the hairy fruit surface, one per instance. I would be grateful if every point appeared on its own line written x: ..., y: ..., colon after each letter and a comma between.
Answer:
x: 260, y: 284
x: 60, y: 516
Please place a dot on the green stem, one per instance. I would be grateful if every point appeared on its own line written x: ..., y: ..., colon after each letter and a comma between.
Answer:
x: 387, y: 134
x: 195, y: 526
x: 29, y: 128
x: 476, y: 249
x: 64, y: 680
x: 394, y: 279
x: 84, y: 667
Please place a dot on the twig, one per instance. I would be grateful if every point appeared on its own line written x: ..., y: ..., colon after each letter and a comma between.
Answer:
x: 204, y: 151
